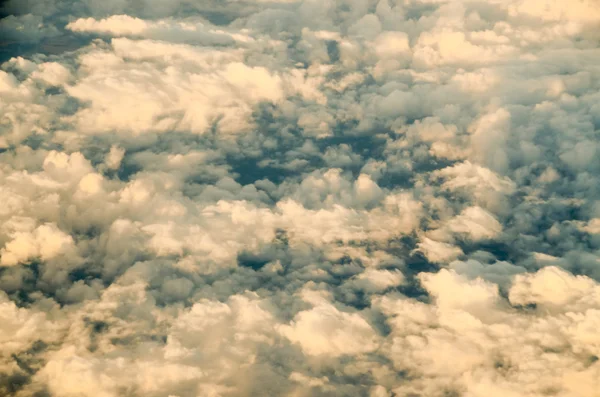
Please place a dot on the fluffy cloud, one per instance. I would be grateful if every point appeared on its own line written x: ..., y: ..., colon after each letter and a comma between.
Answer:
x: 327, y: 331
x: 299, y: 198
x: 473, y: 342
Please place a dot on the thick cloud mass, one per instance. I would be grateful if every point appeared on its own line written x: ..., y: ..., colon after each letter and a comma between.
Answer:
x: 300, y: 198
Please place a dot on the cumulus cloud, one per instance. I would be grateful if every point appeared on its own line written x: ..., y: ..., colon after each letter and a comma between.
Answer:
x: 325, y: 330
x: 299, y: 198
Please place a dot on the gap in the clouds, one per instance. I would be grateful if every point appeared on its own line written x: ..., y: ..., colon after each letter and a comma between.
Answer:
x: 337, y: 277
x: 257, y: 162
x: 253, y: 261
x: 63, y: 43
x: 128, y: 169
x: 270, y: 150
x: 60, y: 43
x: 248, y: 171
x: 414, y: 262
x: 86, y: 274
x: 20, y: 281
x: 500, y: 250
x: 95, y: 151
x: 549, y: 228
x: 219, y: 18
x: 96, y: 327
x: 4, y: 12
x: 27, y: 360
x: 358, y: 299
x: 368, y: 146
x: 28, y: 364
x: 333, y: 50
x: 398, y: 179
x: 431, y: 164
x: 40, y: 142
x: 379, y: 321
x: 13, y: 382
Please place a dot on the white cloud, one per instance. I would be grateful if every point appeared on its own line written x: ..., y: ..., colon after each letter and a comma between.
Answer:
x: 473, y: 223
x: 46, y: 241
x: 299, y: 198
x: 325, y: 330
x: 438, y: 251
x: 379, y: 280
x: 470, y: 337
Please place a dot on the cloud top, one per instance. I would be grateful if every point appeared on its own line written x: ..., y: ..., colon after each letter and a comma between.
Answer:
x: 299, y: 198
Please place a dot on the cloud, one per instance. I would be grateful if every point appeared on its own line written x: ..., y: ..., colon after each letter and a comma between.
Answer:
x: 324, y: 330
x: 480, y: 340
x: 124, y: 25
x: 45, y: 242
x: 298, y: 198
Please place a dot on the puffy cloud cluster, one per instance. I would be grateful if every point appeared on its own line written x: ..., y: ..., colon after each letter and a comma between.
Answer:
x: 299, y: 198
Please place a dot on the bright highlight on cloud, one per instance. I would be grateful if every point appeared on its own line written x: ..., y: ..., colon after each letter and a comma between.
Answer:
x: 300, y: 198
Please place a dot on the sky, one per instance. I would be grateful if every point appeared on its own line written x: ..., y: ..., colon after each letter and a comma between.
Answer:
x: 223, y: 198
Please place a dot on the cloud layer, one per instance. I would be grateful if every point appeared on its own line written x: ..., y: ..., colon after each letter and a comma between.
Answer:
x: 300, y: 198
